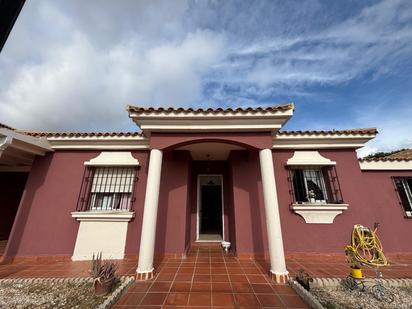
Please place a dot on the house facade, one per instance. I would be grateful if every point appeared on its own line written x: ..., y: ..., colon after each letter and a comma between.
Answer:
x: 191, y: 176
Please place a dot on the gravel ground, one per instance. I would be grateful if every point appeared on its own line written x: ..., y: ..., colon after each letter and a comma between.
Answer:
x: 342, y: 298
x: 48, y: 295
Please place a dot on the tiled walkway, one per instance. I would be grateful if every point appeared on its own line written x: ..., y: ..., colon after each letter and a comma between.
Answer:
x: 208, y: 278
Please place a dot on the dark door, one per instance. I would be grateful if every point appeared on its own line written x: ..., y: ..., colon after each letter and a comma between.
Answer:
x: 211, y: 209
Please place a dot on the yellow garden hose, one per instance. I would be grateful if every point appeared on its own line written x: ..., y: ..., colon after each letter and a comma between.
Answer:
x: 366, y: 247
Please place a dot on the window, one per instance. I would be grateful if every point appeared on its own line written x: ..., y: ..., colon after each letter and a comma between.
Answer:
x: 315, y: 186
x: 404, y: 187
x: 107, y: 188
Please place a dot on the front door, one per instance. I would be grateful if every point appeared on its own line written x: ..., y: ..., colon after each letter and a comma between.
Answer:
x: 210, y: 219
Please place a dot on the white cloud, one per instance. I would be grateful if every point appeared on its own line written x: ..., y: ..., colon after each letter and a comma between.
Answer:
x: 77, y: 64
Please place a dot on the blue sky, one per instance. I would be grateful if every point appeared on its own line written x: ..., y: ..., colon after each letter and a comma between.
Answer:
x: 75, y: 65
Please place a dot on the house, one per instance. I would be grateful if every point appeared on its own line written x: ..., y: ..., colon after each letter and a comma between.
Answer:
x: 198, y: 175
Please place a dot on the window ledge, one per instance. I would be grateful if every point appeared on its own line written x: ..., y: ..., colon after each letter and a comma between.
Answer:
x: 319, y: 213
x: 103, y: 215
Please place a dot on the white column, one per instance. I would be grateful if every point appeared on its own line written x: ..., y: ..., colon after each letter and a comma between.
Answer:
x: 147, y: 239
x: 276, y: 253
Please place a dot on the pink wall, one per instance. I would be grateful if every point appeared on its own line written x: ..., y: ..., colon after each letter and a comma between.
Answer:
x: 43, y: 224
x: 249, y: 211
x: 371, y: 198
x: 173, y: 203
x: 259, y: 140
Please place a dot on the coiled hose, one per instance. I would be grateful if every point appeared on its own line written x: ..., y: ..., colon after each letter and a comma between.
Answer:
x: 366, y: 248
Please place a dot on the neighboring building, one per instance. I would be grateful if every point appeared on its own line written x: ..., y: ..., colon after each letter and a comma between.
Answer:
x: 198, y: 175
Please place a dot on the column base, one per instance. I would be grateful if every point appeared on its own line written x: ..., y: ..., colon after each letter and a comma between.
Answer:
x: 143, y: 276
x: 279, y: 277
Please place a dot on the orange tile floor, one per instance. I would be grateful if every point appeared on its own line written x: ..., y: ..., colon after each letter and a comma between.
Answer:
x: 208, y: 277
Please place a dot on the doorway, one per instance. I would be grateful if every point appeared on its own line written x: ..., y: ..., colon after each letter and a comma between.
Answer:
x: 210, y: 225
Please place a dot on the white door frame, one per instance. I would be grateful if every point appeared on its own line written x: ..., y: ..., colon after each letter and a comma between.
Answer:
x: 198, y: 207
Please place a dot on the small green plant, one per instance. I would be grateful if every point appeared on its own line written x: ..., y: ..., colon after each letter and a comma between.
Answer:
x: 104, y: 274
x: 304, y: 279
x: 354, y: 263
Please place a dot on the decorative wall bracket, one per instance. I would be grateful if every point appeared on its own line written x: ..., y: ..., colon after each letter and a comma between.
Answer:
x: 319, y: 213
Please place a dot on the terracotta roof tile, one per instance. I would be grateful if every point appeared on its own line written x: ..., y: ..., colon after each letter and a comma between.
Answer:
x: 2, y: 125
x: 172, y: 110
x: 80, y: 134
x: 364, y: 131
x: 403, y: 155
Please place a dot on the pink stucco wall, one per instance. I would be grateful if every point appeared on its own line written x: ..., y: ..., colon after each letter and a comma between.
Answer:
x: 43, y: 224
x: 371, y: 198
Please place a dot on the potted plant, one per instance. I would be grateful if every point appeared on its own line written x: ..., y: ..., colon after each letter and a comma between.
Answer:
x: 355, y: 265
x: 304, y: 279
x: 104, y: 275
x: 311, y: 196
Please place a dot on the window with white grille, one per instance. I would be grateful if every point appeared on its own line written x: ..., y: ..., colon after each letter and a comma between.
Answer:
x: 404, y: 187
x: 107, y: 188
x: 315, y: 185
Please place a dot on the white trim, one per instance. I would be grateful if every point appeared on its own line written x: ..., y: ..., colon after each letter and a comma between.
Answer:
x: 113, y: 158
x: 210, y: 122
x: 25, y: 143
x: 103, y: 216
x: 331, y: 141
x: 308, y: 158
x: 100, y: 142
x: 386, y: 165
x: 198, y: 208
x: 319, y: 213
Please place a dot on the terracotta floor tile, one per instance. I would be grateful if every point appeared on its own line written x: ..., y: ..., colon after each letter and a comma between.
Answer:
x: 201, y: 287
x: 240, y: 287
x: 221, y: 287
x: 140, y: 286
x: 262, y: 288
x: 293, y: 301
x: 283, y: 289
x: 177, y: 299
x: 269, y: 300
x: 202, y: 271
x: 165, y: 277
x: 153, y: 299
x: 131, y: 299
x: 238, y: 278
x: 200, y: 299
x: 257, y: 278
x: 219, y: 278
x: 160, y: 286
x: 169, y: 270
x: 222, y: 299
x: 183, y: 277
x: 201, y: 278
x: 252, y: 270
x: 181, y: 287
x: 246, y: 300
x: 186, y: 270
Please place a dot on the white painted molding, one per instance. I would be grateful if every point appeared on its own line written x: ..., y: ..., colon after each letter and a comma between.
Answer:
x: 106, y: 234
x: 103, y: 216
x: 319, y: 213
x: 100, y: 142
x: 386, y: 165
x: 24, y: 143
x: 113, y: 158
x: 210, y: 122
x: 308, y: 158
x: 330, y: 141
